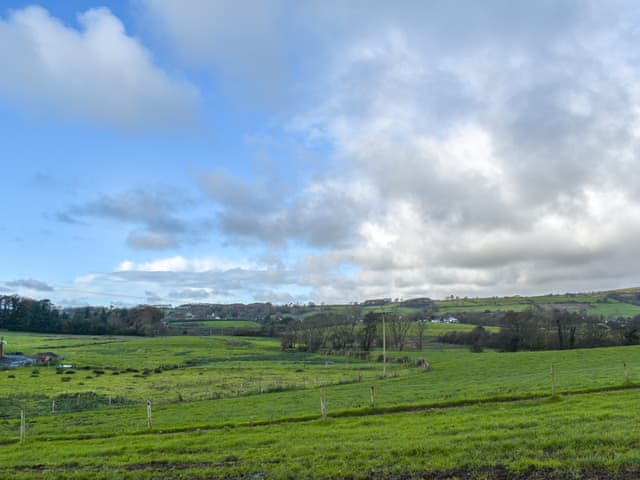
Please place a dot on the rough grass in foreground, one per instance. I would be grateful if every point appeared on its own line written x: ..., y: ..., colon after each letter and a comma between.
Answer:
x: 573, y: 435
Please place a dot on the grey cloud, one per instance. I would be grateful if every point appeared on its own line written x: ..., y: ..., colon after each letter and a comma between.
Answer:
x: 152, y: 297
x: 231, y: 192
x: 494, y: 257
x: 315, y: 224
x: 162, y: 216
x: 310, y: 217
x: 31, y: 284
x: 151, y: 241
x: 152, y: 208
x: 555, y: 150
x: 66, y: 217
x: 189, y: 293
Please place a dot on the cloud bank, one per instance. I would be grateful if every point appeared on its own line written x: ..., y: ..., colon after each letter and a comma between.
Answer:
x: 477, y: 148
x: 467, y: 148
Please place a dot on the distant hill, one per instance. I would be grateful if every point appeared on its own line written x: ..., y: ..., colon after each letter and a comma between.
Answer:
x: 608, y: 304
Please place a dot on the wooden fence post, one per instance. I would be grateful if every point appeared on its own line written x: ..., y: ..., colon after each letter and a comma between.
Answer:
x: 323, y: 405
x: 23, y: 428
x: 626, y: 373
x: 372, y: 403
x: 149, y: 421
x: 553, y: 381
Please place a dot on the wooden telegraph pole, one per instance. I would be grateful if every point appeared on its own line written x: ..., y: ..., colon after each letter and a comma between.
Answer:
x: 384, y: 349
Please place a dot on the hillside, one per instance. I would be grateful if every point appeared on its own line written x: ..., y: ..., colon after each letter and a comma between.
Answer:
x: 608, y: 304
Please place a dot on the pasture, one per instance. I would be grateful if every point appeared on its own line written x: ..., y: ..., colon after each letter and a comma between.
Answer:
x: 240, y: 408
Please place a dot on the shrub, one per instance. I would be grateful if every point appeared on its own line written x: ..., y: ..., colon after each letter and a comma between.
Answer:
x: 421, y: 362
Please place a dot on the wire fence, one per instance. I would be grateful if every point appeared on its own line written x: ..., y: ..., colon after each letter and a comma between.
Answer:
x: 89, y: 414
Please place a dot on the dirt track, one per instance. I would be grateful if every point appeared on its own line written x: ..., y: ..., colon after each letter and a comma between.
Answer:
x: 500, y: 472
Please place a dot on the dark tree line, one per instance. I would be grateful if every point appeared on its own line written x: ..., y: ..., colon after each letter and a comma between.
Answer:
x: 342, y: 332
x: 540, y: 329
x: 28, y: 315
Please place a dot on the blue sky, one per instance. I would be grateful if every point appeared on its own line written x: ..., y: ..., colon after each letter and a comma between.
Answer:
x: 207, y: 151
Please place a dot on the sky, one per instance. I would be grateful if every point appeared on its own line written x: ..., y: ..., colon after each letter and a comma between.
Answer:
x: 155, y: 151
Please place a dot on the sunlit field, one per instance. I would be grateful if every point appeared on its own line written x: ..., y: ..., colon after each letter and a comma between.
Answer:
x: 226, y: 407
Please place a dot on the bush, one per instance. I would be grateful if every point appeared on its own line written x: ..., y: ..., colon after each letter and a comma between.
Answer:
x: 421, y: 362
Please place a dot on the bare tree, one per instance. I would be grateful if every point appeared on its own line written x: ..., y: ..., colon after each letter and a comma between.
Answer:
x: 399, y: 327
x: 421, y: 327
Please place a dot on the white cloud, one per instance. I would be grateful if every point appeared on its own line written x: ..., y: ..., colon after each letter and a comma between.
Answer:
x: 97, y: 74
x: 516, y: 179
x: 180, y: 264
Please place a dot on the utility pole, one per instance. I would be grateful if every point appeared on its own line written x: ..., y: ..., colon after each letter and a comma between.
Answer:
x: 384, y: 349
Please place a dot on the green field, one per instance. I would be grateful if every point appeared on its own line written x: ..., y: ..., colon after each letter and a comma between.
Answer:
x: 230, y: 408
x: 597, y: 303
x: 218, y: 325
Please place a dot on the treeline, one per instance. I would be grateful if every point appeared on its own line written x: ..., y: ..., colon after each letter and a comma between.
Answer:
x: 28, y: 315
x: 540, y: 329
x: 349, y: 332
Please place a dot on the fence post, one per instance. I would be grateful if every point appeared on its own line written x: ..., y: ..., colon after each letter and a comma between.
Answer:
x: 372, y: 403
x: 149, y: 422
x: 53, y: 407
x: 323, y: 405
x: 553, y: 381
x: 626, y: 373
x: 23, y: 428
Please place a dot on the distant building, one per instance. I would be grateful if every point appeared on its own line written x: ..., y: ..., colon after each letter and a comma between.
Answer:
x: 447, y: 319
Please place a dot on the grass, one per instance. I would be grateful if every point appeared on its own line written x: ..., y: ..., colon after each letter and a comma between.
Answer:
x: 594, y: 304
x: 614, y: 309
x: 219, y: 324
x: 171, y: 369
x: 598, y: 303
x: 574, y: 434
x: 471, y: 413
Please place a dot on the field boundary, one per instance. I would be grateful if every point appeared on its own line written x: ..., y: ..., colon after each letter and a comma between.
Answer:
x: 360, y: 412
